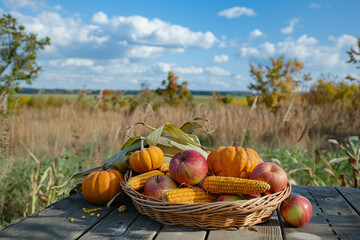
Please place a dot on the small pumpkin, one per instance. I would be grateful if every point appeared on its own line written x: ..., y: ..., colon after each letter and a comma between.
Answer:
x: 232, y: 161
x: 146, y: 159
x: 99, y: 187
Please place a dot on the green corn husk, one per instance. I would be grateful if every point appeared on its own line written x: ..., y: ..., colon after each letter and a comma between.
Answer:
x: 173, y: 141
x: 168, y: 137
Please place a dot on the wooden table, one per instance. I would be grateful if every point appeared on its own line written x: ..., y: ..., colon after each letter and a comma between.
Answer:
x: 335, y: 216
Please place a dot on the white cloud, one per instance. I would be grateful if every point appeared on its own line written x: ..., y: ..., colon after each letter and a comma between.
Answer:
x: 306, y: 49
x: 256, y: 33
x: 133, y: 81
x: 100, y: 18
x: 72, y: 62
x: 224, y: 43
x: 221, y: 58
x: 139, y: 29
x: 220, y: 83
x: 126, y: 69
x: 163, y: 67
x: 262, y: 51
x: 98, y: 69
x: 188, y: 70
x: 32, y: 4
x: 57, y: 7
x: 289, y: 29
x: 218, y: 71
x: 137, y: 51
x: 236, y: 12
x: 344, y: 40
x: 132, y: 37
x: 239, y: 77
x: 99, y: 80
x: 62, y: 31
x: 167, y: 67
x: 314, y: 5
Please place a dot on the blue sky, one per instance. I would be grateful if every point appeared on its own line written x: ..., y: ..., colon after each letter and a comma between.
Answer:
x: 121, y: 44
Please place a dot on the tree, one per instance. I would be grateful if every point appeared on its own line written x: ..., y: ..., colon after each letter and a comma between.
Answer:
x: 354, y: 57
x: 277, y: 83
x: 18, y: 51
x: 174, y: 93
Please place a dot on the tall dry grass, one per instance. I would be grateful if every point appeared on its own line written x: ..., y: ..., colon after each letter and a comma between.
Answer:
x: 48, y: 131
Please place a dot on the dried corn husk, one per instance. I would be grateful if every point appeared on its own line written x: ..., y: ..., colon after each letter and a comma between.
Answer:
x: 168, y: 137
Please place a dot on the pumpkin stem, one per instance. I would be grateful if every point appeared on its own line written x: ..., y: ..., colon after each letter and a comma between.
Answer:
x: 235, y: 144
x: 142, y: 143
x: 105, y: 167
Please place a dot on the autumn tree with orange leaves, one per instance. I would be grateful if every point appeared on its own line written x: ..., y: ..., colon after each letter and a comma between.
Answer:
x: 174, y: 93
x: 277, y: 83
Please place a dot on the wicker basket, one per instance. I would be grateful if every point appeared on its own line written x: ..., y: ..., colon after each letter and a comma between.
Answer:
x: 228, y: 215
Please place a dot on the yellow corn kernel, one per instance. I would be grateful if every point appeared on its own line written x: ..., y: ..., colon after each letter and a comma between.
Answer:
x: 83, y: 217
x: 188, y: 195
x: 71, y: 219
x: 91, y: 214
x: 98, y: 215
x: 233, y: 185
x: 164, y: 167
x: 122, y: 208
x: 138, y: 182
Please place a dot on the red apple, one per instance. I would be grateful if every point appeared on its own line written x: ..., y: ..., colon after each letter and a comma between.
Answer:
x: 234, y: 197
x: 296, y: 210
x: 271, y: 173
x: 158, y: 185
x: 251, y: 196
x: 188, y: 167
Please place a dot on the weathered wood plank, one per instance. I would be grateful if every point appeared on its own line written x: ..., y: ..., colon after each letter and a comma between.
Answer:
x: 268, y: 230
x: 54, y: 221
x: 352, y: 195
x: 142, y: 228
x: 317, y: 228
x: 341, y: 216
x: 180, y: 233
x: 114, y: 225
x: 332, y: 217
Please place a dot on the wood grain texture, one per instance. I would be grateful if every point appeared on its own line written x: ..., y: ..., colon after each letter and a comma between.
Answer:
x: 54, y: 221
x: 115, y: 224
x: 268, y: 230
x: 143, y: 228
x: 333, y: 218
x: 179, y: 233
x: 352, y: 195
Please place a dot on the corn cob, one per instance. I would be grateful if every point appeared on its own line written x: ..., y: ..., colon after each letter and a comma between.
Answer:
x: 188, y: 195
x: 164, y: 167
x: 138, y: 182
x: 233, y: 185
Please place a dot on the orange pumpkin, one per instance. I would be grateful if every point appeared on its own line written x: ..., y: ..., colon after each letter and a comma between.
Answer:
x: 146, y: 159
x: 233, y: 161
x: 101, y: 186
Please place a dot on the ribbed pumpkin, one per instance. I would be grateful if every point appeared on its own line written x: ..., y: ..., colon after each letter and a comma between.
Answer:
x: 99, y: 187
x: 146, y: 159
x: 232, y: 161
